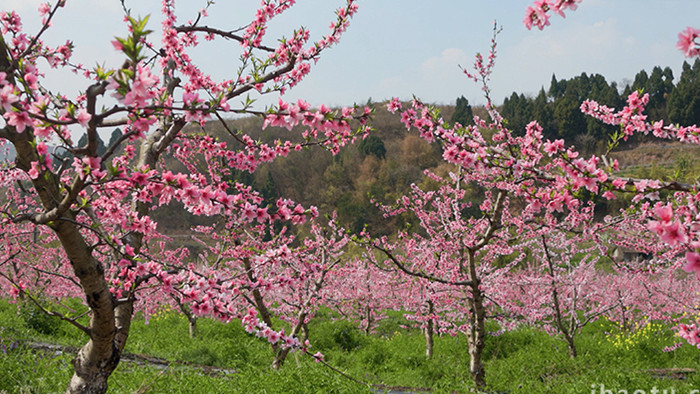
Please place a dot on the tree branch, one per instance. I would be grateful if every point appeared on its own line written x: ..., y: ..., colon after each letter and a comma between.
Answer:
x: 423, y: 275
x: 218, y: 32
x: 74, y: 322
x: 493, y: 221
x: 263, y: 79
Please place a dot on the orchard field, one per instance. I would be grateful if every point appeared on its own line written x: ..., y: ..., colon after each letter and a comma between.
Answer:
x: 513, y: 248
x: 392, y: 358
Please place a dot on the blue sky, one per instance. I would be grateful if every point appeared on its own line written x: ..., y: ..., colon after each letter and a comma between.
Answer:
x: 411, y: 47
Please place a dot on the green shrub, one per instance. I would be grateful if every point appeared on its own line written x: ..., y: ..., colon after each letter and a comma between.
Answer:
x: 35, y: 319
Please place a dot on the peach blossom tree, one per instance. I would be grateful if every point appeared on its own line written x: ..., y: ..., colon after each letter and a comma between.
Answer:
x: 98, y: 206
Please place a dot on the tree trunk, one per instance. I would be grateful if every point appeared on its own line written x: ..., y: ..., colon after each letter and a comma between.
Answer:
x: 572, y: 346
x: 110, y: 319
x: 368, y: 319
x: 192, y: 326
x: 282, y: 353
x: 109, y: 323
x: 304, y: 332
x: 622, y: 311
x: 428, y: 331
x: 476, y: 337
x: 108, y: 327
x: 258, y: 300
x: 300, y: 326
x: 568, y: 331
x: 191, y: 319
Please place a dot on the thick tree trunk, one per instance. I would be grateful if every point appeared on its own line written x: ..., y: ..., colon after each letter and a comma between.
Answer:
x: 304, y: 332
x: 109, y: 324
x: 301, y: 325
x: 476, y: 336
x: 622, y: 311
x: 108, y: 327
x: 110, y: 320
x: 96, y: 361
x: 280, y: 357
x: 428, y: 331
x: 258, y: 300
x: 281, y: 354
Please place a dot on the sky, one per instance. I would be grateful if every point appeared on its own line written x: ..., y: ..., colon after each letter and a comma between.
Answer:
x: 402, y: 48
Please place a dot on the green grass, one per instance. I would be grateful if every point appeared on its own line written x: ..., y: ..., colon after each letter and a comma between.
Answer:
x: 520, y: 361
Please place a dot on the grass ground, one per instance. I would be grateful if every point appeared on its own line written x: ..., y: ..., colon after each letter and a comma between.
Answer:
x: 520, y: 361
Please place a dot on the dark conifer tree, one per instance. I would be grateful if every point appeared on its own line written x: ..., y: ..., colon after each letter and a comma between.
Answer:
x: 463, y: 112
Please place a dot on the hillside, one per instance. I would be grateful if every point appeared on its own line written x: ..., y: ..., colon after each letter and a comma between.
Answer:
x: 382, y: 166
x: 385, y: 164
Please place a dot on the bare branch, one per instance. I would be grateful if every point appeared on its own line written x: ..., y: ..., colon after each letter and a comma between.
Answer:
x: 72, y: 321
x: 423, y: 275
x: 494, y: 220
x: 263, y: 79
x: 110, y: 151
x: 219, y: 32
x: 168, y: 137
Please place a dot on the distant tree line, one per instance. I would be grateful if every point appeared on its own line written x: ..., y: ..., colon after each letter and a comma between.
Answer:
x: 557, y: 109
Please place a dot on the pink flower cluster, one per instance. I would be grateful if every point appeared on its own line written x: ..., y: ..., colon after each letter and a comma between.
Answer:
x: 140, y: 91
x: 666, y: 226
x: 678, y: 228
x: 632, y: 120
x: 691, y: 333
x: 538, y: 14
x: 688, y: 42
x: 174, y: 46
x: 16, y: 289
x: 334, y: 127
x: 253, y: 325
x: 10, y: 22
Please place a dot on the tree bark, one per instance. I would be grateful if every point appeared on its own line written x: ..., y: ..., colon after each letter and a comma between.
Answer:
x: 476, y: 336
x: 572, y: 346
x: 109, y: 323
x: 192, y: 326
x: 281, y: 354
x: 428, y: 331
x: 368, y: 319
x: 191, y: 318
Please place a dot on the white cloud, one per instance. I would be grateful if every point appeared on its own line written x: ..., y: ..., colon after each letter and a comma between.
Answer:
x: 566, y: 50
x: 446, y: 62
x: 441, y: 79
x: 391, y: 84
x: 571, y: 45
